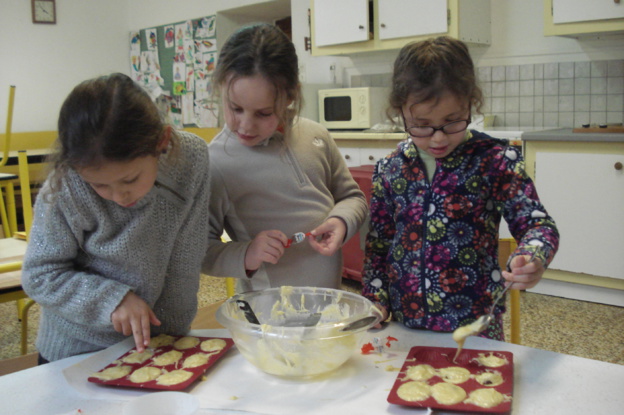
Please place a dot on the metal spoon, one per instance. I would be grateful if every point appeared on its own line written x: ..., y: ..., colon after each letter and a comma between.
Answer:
x: 249, y: 314
x: 484, y: 321
x: 358, y: 324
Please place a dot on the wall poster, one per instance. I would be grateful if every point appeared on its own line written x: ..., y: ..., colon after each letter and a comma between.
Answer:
x: 174, y: 62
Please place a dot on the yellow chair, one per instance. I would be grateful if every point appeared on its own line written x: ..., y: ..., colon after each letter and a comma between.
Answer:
x: 7, y: 208
x: 14, y: 291
x: 505, y: 247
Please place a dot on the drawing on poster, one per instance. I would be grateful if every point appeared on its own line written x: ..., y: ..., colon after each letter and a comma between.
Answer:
x: 169, y: 36
x: 205, y: 28
x: 152, y: 39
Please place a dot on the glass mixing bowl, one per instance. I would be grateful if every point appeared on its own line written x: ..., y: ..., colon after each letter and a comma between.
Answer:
x: 301, y: 331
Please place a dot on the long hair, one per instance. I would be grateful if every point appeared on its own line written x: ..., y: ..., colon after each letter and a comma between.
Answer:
x: 263, y: 49
x: 110, y: 118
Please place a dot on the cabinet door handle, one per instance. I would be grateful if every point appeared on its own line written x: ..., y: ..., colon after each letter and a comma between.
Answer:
x: 361, y: 27
x: 618, y: 165
x: 348, y: 157
x: 383, y: 25
x: 371, y: 158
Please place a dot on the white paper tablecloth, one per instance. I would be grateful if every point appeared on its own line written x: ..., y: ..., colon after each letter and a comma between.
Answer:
x: 544, y: 383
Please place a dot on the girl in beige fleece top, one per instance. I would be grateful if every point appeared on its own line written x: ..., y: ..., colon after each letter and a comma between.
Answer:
x: 273, y: 174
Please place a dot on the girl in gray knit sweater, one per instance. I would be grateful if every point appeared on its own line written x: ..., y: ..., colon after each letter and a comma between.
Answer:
x: 120, y: 226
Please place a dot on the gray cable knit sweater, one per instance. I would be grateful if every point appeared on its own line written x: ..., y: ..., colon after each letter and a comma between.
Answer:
x: 85, y: 253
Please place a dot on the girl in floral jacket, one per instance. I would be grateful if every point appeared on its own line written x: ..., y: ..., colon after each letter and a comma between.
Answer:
x: 438, y: 199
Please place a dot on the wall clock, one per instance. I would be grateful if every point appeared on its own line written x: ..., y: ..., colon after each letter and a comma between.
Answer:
x: 44, y: 11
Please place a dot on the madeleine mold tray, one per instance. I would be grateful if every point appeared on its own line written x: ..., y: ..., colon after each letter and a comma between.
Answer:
x: 169, y: 363
x: 478, y: 381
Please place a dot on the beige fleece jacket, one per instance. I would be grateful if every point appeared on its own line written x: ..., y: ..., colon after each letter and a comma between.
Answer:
x: 292, y: 184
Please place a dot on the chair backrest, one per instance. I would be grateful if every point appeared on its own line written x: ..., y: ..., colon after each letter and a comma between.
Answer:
x: 9, y: 123
x: 24, y: 178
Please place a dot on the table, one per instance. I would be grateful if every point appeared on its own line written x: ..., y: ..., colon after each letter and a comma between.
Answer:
x: 11, y: 250
x: 544, y: 383
x: 35, y: 155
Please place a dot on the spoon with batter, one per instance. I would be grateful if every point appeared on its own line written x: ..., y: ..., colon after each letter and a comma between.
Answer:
x: 480, y: 324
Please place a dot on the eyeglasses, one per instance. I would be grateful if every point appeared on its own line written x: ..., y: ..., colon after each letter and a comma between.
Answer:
x: 449, y: 128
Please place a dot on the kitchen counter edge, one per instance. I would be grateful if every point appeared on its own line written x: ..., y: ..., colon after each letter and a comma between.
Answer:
x: 567, y: 134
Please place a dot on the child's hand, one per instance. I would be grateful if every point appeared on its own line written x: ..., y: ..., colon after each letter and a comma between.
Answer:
x: 524, y: 274
x: 133, y: 316
x: 384, y: 315
x: 332, y: 233
x: 267, y: 246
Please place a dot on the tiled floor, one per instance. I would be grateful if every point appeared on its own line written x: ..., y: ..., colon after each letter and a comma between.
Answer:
x: 578, y: 328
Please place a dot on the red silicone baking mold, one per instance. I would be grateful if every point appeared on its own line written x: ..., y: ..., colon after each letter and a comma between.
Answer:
x: 197, y: 371
x: 442, y: 357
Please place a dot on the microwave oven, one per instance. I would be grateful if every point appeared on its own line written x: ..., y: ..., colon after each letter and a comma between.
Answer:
x: 352, y: 108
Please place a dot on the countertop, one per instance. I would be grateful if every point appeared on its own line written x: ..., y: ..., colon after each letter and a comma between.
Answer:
x: 544, y: 383
x: 567, y: 134
x: 513, y: 133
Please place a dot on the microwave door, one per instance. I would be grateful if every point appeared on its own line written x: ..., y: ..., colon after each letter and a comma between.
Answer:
x: 338, y: 108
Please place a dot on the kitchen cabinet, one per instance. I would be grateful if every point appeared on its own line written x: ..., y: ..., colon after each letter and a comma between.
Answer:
x: 580, y: 180
x: 341, y: 22
x: 354, y: 26
x: 395, y: 22
x: 356, y: 156
x: 576, y: 18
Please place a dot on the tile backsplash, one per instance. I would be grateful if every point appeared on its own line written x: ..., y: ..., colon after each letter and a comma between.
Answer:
x: 566, y: 94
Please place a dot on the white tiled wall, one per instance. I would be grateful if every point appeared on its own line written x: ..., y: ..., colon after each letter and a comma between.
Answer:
x: 566, y: 94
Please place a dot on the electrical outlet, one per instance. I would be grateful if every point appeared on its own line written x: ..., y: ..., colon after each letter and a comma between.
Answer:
x: 302, y: 73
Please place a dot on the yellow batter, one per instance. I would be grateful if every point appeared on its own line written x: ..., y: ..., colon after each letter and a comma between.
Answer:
x: 113, y: 373
x: 489, y: 378
x: 161, y: 340
x: 187, y: 342
x: 447, y: 393
x: 490, y: 360
x: 486, y: 398
x: 198, y: 359
x: 167, y: 358
x: 454, y: 374
x: 213, y: 345
x: 414, y: 391
x: 420, y: 372
x: 137, y: 357
x: 174, y: 377
x: 460, y: 334
x: 145, y: 374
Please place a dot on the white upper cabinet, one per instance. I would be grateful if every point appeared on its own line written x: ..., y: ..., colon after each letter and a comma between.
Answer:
x: 576, y: 18
x: 568, y: 11
x: 353, y: 26
x: 339, y: 22
x: 396, y: 18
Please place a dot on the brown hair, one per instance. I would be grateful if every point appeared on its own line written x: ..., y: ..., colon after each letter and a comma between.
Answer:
x: 263, y: 49
x: 110, y: 118
x: 431, y: 68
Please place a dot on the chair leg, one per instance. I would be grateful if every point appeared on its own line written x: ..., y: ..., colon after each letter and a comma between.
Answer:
x: 24, y: 318
x: 3, y: 214
x: 515, y: 316
x: 20, y: 304
x: 11, y: 209
x: 230, y: 286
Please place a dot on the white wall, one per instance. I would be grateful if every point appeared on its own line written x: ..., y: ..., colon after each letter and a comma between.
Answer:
x: 91, y: 38
x: 45, y: 62
x: 147, y: 13
x: 517, y: 38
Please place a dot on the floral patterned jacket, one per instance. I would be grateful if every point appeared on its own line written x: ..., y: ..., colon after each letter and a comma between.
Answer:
x: 432, y: 249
